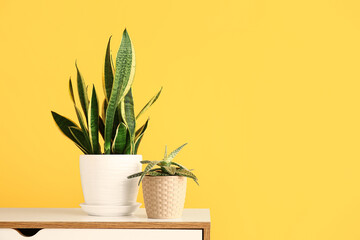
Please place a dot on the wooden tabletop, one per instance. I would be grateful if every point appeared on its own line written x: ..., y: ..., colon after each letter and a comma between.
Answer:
x: 76, y: 218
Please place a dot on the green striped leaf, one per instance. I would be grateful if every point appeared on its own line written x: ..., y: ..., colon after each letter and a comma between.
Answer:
x: 119, y: 143
x: 103, y: 109
x: 101, y: 127
x: 127, y: 113
x: 81, y: 121
x: 64, y: 124
x: 155, y: 174
x: 137, y: 144
x: 93, y: 122
x: 147, y: 169
x: 145, y: 162
x: 82, y: 142
x: 135, y: 175
x: 108, y: 75
x: 186, y: 173
x: 78, y: 113
x: 141, y: 173
x: 116, y: 119
x: 179, y: 165
x: 124, y: 76
x: 169, y: 169
x: 129, y: 146
x: 71, y: 91
x: 174, y: 153
x: 82, y: 90
x: 142, y: 129
x: 148, y: 105
x: 139, y: 136
x: 164, y: 163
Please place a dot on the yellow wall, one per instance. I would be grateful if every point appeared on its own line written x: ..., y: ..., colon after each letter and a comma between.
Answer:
x: 265, y: 92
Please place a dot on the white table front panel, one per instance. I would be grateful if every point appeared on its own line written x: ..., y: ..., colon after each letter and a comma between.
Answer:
x: 104, y: 234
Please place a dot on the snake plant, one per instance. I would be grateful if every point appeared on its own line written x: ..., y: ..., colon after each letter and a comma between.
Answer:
x: 116, y: 121
x: 165, y: 167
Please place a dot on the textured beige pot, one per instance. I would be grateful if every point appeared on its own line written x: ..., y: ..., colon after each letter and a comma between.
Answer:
x: 164, y: 196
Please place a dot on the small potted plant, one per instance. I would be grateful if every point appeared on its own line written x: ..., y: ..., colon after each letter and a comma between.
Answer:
x: 164, y: 187
x: 104, y: 170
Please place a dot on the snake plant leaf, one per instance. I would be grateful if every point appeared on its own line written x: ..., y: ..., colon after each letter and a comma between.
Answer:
x: 119, y: 143
x: 78, y: 113
x: 108, y: 75
x: 125, y: 65
x: 148, y: 105
x: 82, y: 142
x: 142, y: 129
x: 137, y: 144
x: 147, y: 169
x: 174, y: 153
x: 139, y: 135
x: 124, y: 77
x: 186, y: 173
x: 101, y: 127
x: 64, y: 124
x: 179, y: 165
x: 128, y: 148
x: 165, y: 154
x: 169, y: 169
x: 128, y: 116
x: 81, y: 120
x: 116, y: 118
x: 82, y: 125
x: 103, y: 109
x: 93, y: 122
x: 82, y: 90
x: 71, y: 90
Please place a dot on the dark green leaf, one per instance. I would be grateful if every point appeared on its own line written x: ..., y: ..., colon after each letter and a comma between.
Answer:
x: 124, y: 76
x: 93, y: 122
x: 103, y: 110
x: 119, y: 143
x: 71, y: 91
x: 139, y: 136
x: 128, y: 112
x: 108, y: 76
x: 64, y: 124
x: 82, y: 142
x: 101, y: 127
x: 148, y: 105
x: 82, y: 90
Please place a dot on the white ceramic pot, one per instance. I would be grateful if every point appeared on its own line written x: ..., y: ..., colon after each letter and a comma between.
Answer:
x: 104, y: 179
